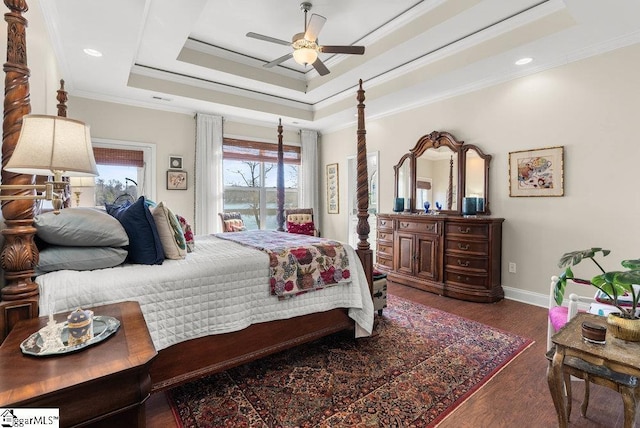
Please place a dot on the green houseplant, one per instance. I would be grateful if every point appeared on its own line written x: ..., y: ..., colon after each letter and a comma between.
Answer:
x: 613, y: 284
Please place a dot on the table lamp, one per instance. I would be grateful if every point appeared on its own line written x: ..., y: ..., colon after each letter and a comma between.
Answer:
x: 50, y: 145
x: 78, y: 184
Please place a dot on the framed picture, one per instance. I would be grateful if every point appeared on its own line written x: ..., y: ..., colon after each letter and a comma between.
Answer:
x: 333, y: 192
x: 176, y: 180
x: 175, y: 162
x: 538, y: 172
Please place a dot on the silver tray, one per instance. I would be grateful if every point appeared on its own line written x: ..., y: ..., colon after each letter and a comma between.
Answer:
x: 103, y: 327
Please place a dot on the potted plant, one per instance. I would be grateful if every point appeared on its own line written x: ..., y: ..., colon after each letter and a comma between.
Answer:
x: 614, y: 285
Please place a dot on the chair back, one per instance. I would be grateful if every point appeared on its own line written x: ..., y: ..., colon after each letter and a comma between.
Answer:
x: 559, y: 315
x: 300, y: 220
x: 232, y: 222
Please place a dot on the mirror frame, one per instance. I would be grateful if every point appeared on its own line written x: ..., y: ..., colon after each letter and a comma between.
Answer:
x: 487, y: 163
x: 407, y: 157
x: 435, y: 140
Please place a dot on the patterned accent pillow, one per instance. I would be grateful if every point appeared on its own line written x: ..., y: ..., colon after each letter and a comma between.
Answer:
x: 188, y: 233
x: 234, y: 225
x: 170, y: 232
x: 301, y: 228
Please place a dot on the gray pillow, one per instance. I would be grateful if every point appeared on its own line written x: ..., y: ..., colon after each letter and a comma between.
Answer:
x: 81, y: 227
x: 79, y: 258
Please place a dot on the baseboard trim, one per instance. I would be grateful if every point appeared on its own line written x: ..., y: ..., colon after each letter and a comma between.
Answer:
x: 531, y: 298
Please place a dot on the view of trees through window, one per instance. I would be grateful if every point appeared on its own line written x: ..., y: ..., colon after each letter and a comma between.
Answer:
x: 250, y: 188
x: 113, y: 182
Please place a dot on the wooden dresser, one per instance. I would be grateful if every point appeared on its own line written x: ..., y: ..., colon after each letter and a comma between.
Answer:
x: 453, y: 256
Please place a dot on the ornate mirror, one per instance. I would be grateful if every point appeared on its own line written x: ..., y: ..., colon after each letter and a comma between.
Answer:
x: 442, y: 171
x: 404, y: 178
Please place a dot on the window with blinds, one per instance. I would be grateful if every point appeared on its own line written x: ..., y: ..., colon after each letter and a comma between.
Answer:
x: 118, y: 170
x: 250, y: 175
x: 256, y: 151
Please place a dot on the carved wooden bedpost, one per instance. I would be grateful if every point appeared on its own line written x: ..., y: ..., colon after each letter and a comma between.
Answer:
x: 62, y: 100
x: 19, y: 254
x: 280, y: 180
x: 364, y: 250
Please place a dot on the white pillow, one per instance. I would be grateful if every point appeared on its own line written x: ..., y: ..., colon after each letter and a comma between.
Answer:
x: 170, y: 232
x: 79, y: 258
x: 81, y: 227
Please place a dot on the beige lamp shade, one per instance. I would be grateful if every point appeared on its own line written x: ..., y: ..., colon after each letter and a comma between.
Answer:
x: 53, y: 145
x: 82, y: 182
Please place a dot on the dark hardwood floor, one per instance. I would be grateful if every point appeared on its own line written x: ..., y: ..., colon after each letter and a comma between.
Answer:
x: 518, y: 396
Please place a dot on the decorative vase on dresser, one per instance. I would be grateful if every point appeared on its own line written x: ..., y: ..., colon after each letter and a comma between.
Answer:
x: 454, y: 251
x: 453, y: 256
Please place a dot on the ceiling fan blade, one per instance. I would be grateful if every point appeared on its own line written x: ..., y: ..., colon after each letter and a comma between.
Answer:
x: 268, y: 39
x: 278, y: 61
x: 320, y: 67
x: 355, y: 50
x: 313, y: 28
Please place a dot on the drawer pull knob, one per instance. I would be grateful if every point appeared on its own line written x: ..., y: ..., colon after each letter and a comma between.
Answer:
x: 467, y: 230
x: 465, y: 264
x: 463, y: 247
x: 404, y: 224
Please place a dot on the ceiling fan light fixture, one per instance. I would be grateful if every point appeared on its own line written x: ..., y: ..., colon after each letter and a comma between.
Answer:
x: 305, y: 56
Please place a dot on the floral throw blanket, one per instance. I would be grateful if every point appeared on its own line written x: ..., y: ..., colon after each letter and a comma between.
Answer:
x: 298, y: 263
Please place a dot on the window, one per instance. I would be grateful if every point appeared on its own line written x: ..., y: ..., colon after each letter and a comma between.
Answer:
x: 250, y: 176
x: 124, y: 168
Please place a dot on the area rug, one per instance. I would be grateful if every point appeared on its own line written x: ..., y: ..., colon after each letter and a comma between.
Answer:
x: 418, y: 367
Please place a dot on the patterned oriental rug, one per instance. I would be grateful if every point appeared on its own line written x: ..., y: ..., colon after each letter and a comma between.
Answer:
x: 417, y: 369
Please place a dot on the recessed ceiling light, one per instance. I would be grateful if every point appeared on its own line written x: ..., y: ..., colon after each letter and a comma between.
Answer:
x: 523, y: 61
x: 92, y: 52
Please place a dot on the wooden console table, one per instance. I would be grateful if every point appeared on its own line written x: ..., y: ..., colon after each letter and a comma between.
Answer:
x: 105, y: 384
x: 616, y: 364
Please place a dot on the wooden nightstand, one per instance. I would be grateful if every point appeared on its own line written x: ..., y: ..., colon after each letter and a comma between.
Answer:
x: 105, y: 384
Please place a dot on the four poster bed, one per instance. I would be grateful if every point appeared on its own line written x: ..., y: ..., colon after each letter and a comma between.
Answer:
x: 181, y: 357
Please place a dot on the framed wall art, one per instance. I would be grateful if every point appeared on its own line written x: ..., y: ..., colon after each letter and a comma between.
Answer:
x: 176, y: 180
x: 537, y: 172
x: 175, y: 162
x: 333, y: 192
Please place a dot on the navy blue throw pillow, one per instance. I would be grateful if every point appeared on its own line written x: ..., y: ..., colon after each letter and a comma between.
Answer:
x: 144, y: 242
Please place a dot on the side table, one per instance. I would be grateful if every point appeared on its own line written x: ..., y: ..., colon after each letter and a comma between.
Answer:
x: 615, y: 364
x: 105, y: 384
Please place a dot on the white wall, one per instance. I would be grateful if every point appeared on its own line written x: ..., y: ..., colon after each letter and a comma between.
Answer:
x: 589, y: 107
x: 171, y: 133
x: 45, y: 76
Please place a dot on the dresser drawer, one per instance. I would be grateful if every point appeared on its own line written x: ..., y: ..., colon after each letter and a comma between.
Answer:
x: 477, y: 231
x: 385, y: 249
x: 462, y: 247
x: 420, y: 227
x: 384, y: 261
x: 469, y: 279
x: 385, y: 235
x: 385, y: 223
x: 462, y: 263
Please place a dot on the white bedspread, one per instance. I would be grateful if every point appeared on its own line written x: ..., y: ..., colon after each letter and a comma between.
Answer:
x: 220, y: 287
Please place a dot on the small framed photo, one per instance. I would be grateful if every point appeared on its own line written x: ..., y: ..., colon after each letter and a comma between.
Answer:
x: 175, y: 162
x: 176, y: 180
x: 537, y: 172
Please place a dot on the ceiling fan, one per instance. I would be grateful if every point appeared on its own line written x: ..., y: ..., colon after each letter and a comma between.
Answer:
x: 305, y: 45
